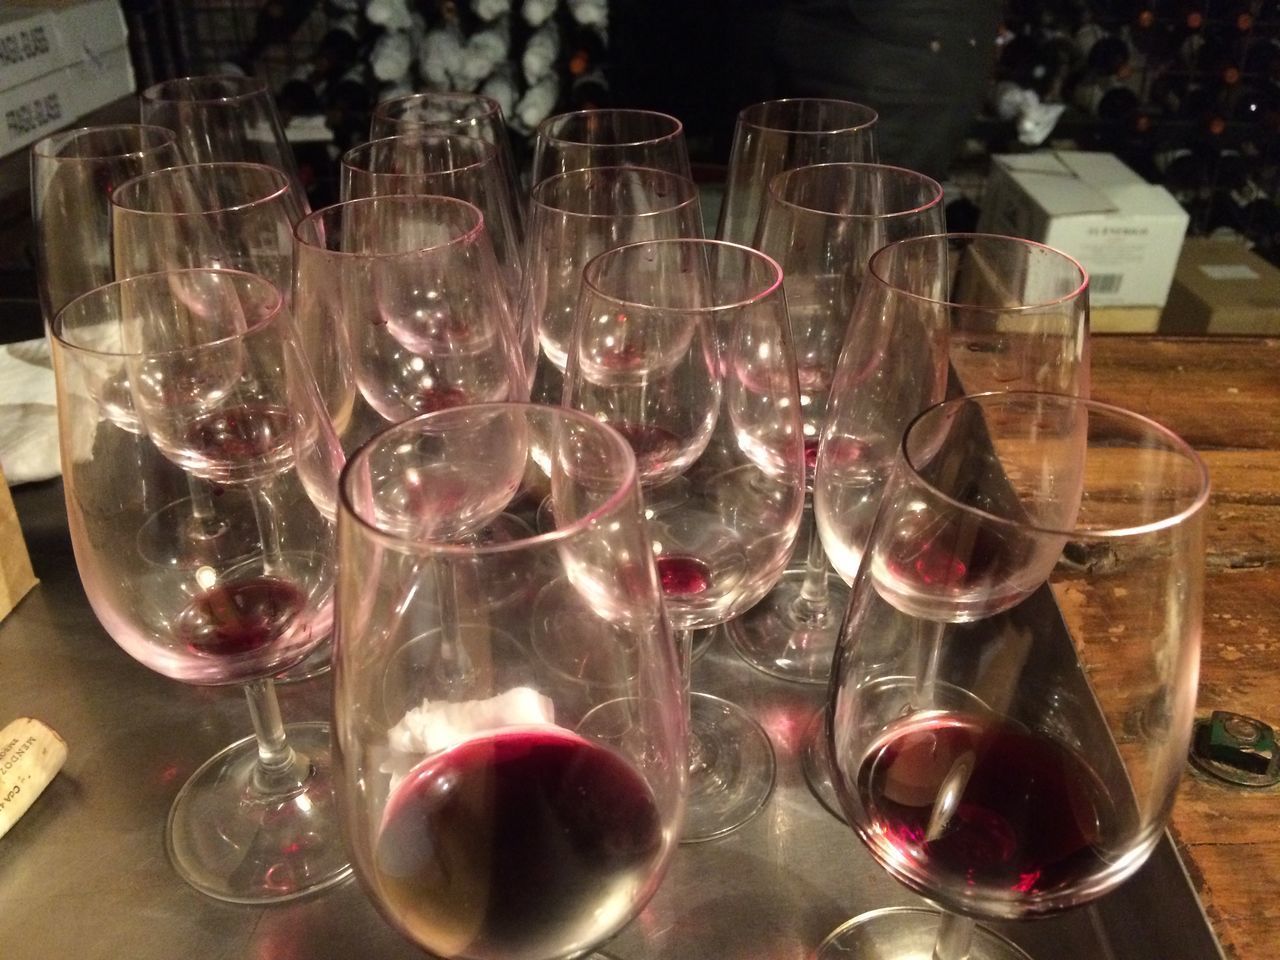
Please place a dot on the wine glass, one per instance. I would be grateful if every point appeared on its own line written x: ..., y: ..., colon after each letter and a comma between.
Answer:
x: 683, y: 346
x: 406, y: 294
x: 1012, y: 698
x: 612, y: 137
x: 497, y: 804
x: 575, y: 216
x: 73, y: 175
x: 223, y: 119
x: 451, y: 112
x: 217, y: 389
x: 777, y: 135
x: 958, y: 313
x: 822, y: 223
x: 466, y: 168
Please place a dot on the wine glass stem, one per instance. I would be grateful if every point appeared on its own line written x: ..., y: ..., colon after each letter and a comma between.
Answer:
x: 280, y: 770
x: 955, y: 937
x: 813, y: 590
x: 202, y: 509
x: 264, y: 514
x: 697, y: 755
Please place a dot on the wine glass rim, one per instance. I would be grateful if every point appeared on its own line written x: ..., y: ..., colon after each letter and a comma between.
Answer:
x: 362, y: 150
x: 544, y: 133
x: 869, y: 116
x: 252, y: 87
x: 120, y: 195
x: 627, y: 482
x: 46, y: 148
x: 875, y: 270
x: 383, y: 108
x: 750, y: 253
x: 904, y: 174
x: 1173, y: 444
x: 403, y: 199
x: 536, y: 198
x: 262, y: 319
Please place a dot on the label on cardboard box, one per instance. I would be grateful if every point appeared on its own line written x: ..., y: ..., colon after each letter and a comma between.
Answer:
x: 30, y: 46
x: 1228, y: 271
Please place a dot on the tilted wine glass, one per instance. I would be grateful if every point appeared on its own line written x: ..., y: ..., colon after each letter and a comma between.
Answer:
x: 195, y: 373
x: 609, y: 137
x: 73, y: 175
x: 511, y: 777
x: 407, y: 293
x: 777, y: 135
x: 452, y: 112
x: 683, y: 346
x: 575, y: 216
x: 465, y: 168
x: 1013, y: 695
x: 822, y: 223
x: 965, y: 313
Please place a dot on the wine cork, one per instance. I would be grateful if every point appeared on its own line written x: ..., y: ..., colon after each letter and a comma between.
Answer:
x: 31, y: 754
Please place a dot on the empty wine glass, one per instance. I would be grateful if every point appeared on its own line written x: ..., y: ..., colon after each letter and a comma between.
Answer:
x: 777, y: 135
x: 223, y: 119
x: 452, y: 112
x: 497, y: 804
x: 195, y: 373
x: 612, y: 137
x: 822, y: 223
x: 406, y: 293
x: 576, y: 215
x: 73, y: 175
x: 451, y: 166
x: 683, y: 346
x: 1013, y: 694
x: 965, y: 312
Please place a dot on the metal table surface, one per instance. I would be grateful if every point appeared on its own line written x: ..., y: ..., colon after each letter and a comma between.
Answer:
x: 84, y: 873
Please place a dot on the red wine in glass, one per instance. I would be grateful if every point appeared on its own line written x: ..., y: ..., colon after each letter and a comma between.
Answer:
x: 683, y: 576
x: 235, y: 444
x: 239, y: 618
x: 525, y: 843
x: 975, y: 805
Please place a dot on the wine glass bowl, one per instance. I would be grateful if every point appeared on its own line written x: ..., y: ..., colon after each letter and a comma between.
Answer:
x: 997, y: 748
x: 611, y: 137
x: 507, y: 807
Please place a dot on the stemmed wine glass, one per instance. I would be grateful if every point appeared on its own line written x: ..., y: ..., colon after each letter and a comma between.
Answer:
x: 161, y: 378
x: 466, y: 168
x: 683, y: 346
x: 778, y: 135
x: 498, y: 805
x: 822, y: 223
x: 73, y: 175
x: 612, y: 137
x: 406, y: 292
x: 452, y: 112
x: 575, y: 216
x: 1001, y: 747
x: 957, y: 313
x: 223, y: 119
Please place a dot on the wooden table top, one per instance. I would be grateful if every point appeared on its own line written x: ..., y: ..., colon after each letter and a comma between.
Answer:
x: 1223, y: 396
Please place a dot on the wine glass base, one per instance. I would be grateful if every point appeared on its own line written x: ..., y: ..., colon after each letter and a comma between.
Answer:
x: 779, y: 638
x: 907, y: 933
x: 733, y: 774
x: 233, y: 842
x: 817, y: 768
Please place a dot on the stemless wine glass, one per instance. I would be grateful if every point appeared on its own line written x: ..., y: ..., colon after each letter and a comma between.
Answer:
x: 194, y: 373
x: 407, y: 291
x: 452, y: 166
x: 683, y: 346
x: 73, y: 175
x: 965, y: 313
x: 451, y: 112
x: 611, y: 137
x: 223, y: 118
x: 822, y: 223
x: 777, y: 135
x: 497, y: 802
x: 575, y: 216
x: 1012, y: 698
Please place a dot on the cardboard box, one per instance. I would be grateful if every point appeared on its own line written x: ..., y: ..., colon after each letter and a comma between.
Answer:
x: 16, y: 576
x: 88, y: 66
x: 1222, y: 287
x: 1125, y: 231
